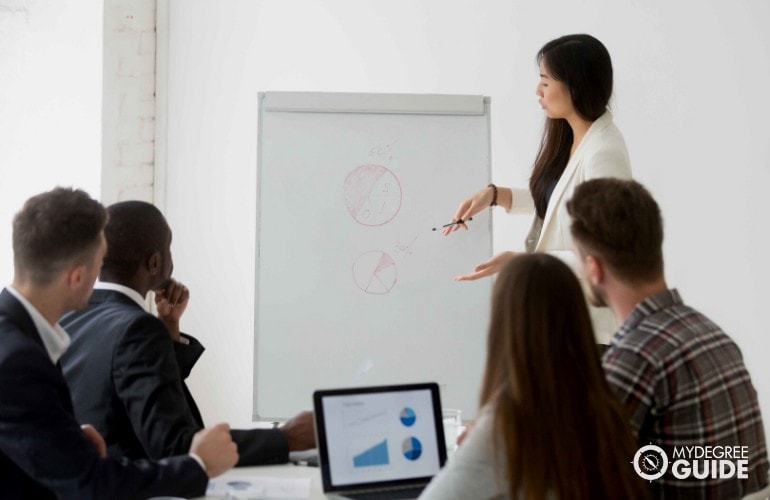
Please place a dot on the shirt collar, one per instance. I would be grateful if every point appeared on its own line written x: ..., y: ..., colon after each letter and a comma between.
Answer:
x: 131, y: 294
x: 54, y: 338
x: 128, y: 292
x: 599, y: 124
x: 645, y: 308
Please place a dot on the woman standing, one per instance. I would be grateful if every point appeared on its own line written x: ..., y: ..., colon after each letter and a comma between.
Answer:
x: 549, y: 425
x: 580, y: 142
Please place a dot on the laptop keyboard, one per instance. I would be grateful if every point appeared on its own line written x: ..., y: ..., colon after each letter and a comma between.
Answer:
x: 393, y: 494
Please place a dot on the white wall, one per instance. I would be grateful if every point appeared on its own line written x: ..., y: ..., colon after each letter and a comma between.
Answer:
x: 50, y: 104
x: 691, y: 99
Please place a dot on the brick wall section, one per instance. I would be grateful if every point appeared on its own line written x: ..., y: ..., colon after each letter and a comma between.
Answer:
x: 128, y: 113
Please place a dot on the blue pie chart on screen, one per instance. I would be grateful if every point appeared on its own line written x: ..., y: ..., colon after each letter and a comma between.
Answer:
x: 408, y: 417
x: 412, y: 448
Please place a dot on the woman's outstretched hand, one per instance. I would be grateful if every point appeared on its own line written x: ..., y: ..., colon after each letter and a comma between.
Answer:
x: 487, y: 268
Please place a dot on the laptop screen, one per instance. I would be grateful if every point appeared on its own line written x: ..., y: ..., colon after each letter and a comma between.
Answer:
x: 379, y: 436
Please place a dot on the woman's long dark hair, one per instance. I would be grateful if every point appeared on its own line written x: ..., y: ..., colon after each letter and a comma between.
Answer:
x: 561, y: 428
x: 583, y: 65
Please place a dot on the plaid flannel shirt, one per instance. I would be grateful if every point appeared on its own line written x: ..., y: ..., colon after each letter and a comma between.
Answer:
x: 684, y: 383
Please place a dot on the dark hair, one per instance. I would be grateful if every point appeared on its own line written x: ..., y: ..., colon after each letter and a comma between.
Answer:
x: 136, y: 230
x: 582, y: 63
x: 620, y: 222
x: 562, y: 429
x: 53, y: 230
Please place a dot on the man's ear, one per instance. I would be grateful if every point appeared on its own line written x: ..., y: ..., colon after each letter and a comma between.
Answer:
x: 594, y: 270
x: 75, y: 276
x: 154, y: 264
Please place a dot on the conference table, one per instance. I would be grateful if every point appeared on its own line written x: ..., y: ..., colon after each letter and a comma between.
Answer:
x: 272, y: 474
x: 303, y: 472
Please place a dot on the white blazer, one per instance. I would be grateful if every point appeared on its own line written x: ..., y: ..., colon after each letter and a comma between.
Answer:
x: 601, y: 153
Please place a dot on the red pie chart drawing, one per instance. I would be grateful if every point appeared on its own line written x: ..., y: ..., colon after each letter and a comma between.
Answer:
x: 375, y: 272
x: 372, y: 195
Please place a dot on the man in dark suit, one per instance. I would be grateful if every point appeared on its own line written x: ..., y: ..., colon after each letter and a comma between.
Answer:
x: 58, y: 245
x: 126, y: 367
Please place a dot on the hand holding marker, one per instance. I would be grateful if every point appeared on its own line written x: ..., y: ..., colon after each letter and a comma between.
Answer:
x: 457, y: 222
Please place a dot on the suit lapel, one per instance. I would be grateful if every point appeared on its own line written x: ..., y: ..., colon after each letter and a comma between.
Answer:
x: 570, y: 170
x: 558, y: 191
x: 15, y: 311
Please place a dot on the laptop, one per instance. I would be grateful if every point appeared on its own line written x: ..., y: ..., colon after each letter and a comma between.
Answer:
x: 379, y: 442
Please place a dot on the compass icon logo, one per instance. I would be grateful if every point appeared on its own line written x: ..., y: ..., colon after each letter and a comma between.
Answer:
x: 650, y: 462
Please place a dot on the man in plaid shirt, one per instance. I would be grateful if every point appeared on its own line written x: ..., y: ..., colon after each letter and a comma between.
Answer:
x: 681, y: 378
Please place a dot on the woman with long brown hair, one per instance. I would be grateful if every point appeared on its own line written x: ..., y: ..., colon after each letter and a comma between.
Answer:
x: 549, y: 425
x: 579, y: 142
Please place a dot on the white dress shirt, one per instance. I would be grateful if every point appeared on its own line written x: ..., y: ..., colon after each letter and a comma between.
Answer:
x: 127, y: 291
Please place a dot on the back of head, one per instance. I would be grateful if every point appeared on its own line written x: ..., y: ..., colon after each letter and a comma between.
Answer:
x: 539, y: 319
x: 135, y: 231
x: 563, y: 431
x: 54, y: 230
x: 583, y: 64
x: 620, y: 222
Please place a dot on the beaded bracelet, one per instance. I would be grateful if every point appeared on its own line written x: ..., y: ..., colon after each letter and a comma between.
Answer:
x: 494, y: 195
